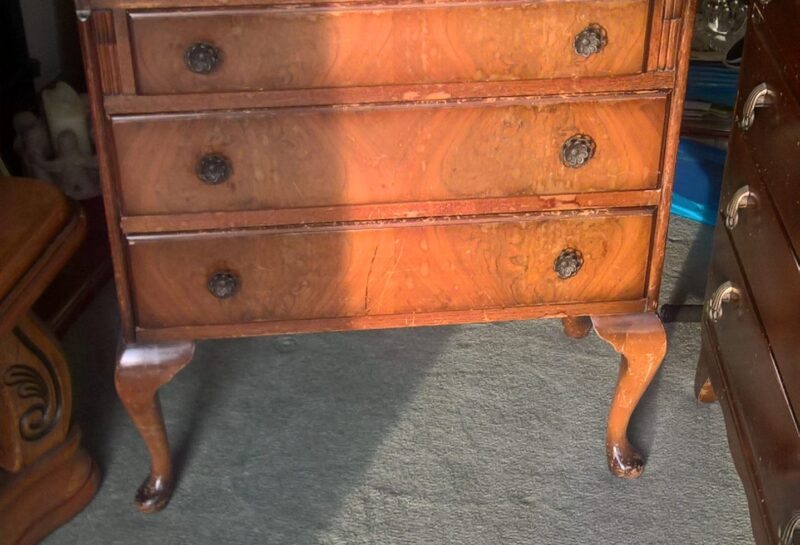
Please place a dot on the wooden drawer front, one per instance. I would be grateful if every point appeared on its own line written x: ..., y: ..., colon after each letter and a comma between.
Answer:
x: 768, y: 261
x: 326, y: 157
x: 426, y: 267
x: 774, y: 135
x: 751, y: 378
x: 312, y: 47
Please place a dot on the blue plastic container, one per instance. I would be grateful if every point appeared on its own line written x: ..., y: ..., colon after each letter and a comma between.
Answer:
x: 698, y: 178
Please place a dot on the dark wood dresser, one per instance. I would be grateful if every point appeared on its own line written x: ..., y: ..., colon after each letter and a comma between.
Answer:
x: 279, y: 166
x: 750, y: 356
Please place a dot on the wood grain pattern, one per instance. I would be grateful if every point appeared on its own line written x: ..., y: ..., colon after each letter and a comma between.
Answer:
x: 105, y: 156
x: 376, y: 155
x: 106, y: 40
x: 441, y: 266
x: 672, y: 137
x: 300, y: 48
x: 32, y: 213
x: 200, y: 221
x: 190, y: 102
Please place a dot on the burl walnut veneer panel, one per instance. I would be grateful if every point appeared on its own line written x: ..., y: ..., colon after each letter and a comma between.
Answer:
x: 292, y: 158
x: 392, y: 269
x: 302, y: 48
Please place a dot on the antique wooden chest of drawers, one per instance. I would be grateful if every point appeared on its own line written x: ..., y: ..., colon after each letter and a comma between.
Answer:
x: 750, y: 349
x: 279, y: 166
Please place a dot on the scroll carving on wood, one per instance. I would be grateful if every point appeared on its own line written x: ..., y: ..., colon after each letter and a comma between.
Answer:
x: 34, y: 384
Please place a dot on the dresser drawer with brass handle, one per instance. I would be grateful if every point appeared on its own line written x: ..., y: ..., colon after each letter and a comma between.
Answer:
x: 395, y: 268
x: 749, y: 369
x: 293, y: 158
x: 768, y: 119
x: 219, y: 50
x: 768, y: 259
x: 284, y: 166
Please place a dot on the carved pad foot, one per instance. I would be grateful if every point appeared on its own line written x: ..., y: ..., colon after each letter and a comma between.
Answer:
x: 154, y: 494
x: 624, y: 461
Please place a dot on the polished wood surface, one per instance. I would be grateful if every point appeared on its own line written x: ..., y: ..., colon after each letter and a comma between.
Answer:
x: 32, y: 213
x: 386, y: 154
x: 771, y: 140
x: 48, y: 493
x: 302, y: 48
x: 393, y: 165
x: 771, y: 266
x: 141, y: 371
x: 361, y: 271
x: 45, y: 477
x: 750, y: 386
x: 642, y: 342
x: 749, y: 344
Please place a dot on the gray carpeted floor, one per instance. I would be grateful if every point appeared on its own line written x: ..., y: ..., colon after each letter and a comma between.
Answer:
x: 481, y: 434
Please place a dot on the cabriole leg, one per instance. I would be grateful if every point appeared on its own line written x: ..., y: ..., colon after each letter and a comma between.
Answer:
x: 141, y: 371
x: 641, y: 340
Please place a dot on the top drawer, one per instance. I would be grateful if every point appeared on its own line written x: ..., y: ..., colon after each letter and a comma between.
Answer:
x: 221, y: 50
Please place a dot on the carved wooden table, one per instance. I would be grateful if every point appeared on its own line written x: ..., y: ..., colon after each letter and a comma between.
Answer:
x: 45, y: 475
x: 289, y: 166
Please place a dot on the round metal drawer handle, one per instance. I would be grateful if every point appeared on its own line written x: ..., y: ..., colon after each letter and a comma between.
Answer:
x: 725, y: 293
x: 743, y: 198
x: 568, y: 263
x: 761, y: 96
x: 214, y: 168
x: 202, y: 58
x: 223, y: 284
x: 591, y: 40
x: 577, y: 151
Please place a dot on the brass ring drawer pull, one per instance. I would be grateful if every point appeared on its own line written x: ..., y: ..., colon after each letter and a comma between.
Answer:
x: 591, y: 40
x: 223, y: 284
x: 760, y: 97
x: 726, y: 293
x: 743, y: 198
x: 568, y: 263
x: 577, y: 151
x: 214, y: 168
x: 202, y: 58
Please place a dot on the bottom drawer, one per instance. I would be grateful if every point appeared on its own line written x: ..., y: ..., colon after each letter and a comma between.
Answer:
x: 753, y: 387
x: 388, y: 269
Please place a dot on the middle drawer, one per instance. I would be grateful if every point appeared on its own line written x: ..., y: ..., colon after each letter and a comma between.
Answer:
x: 305, y: 157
